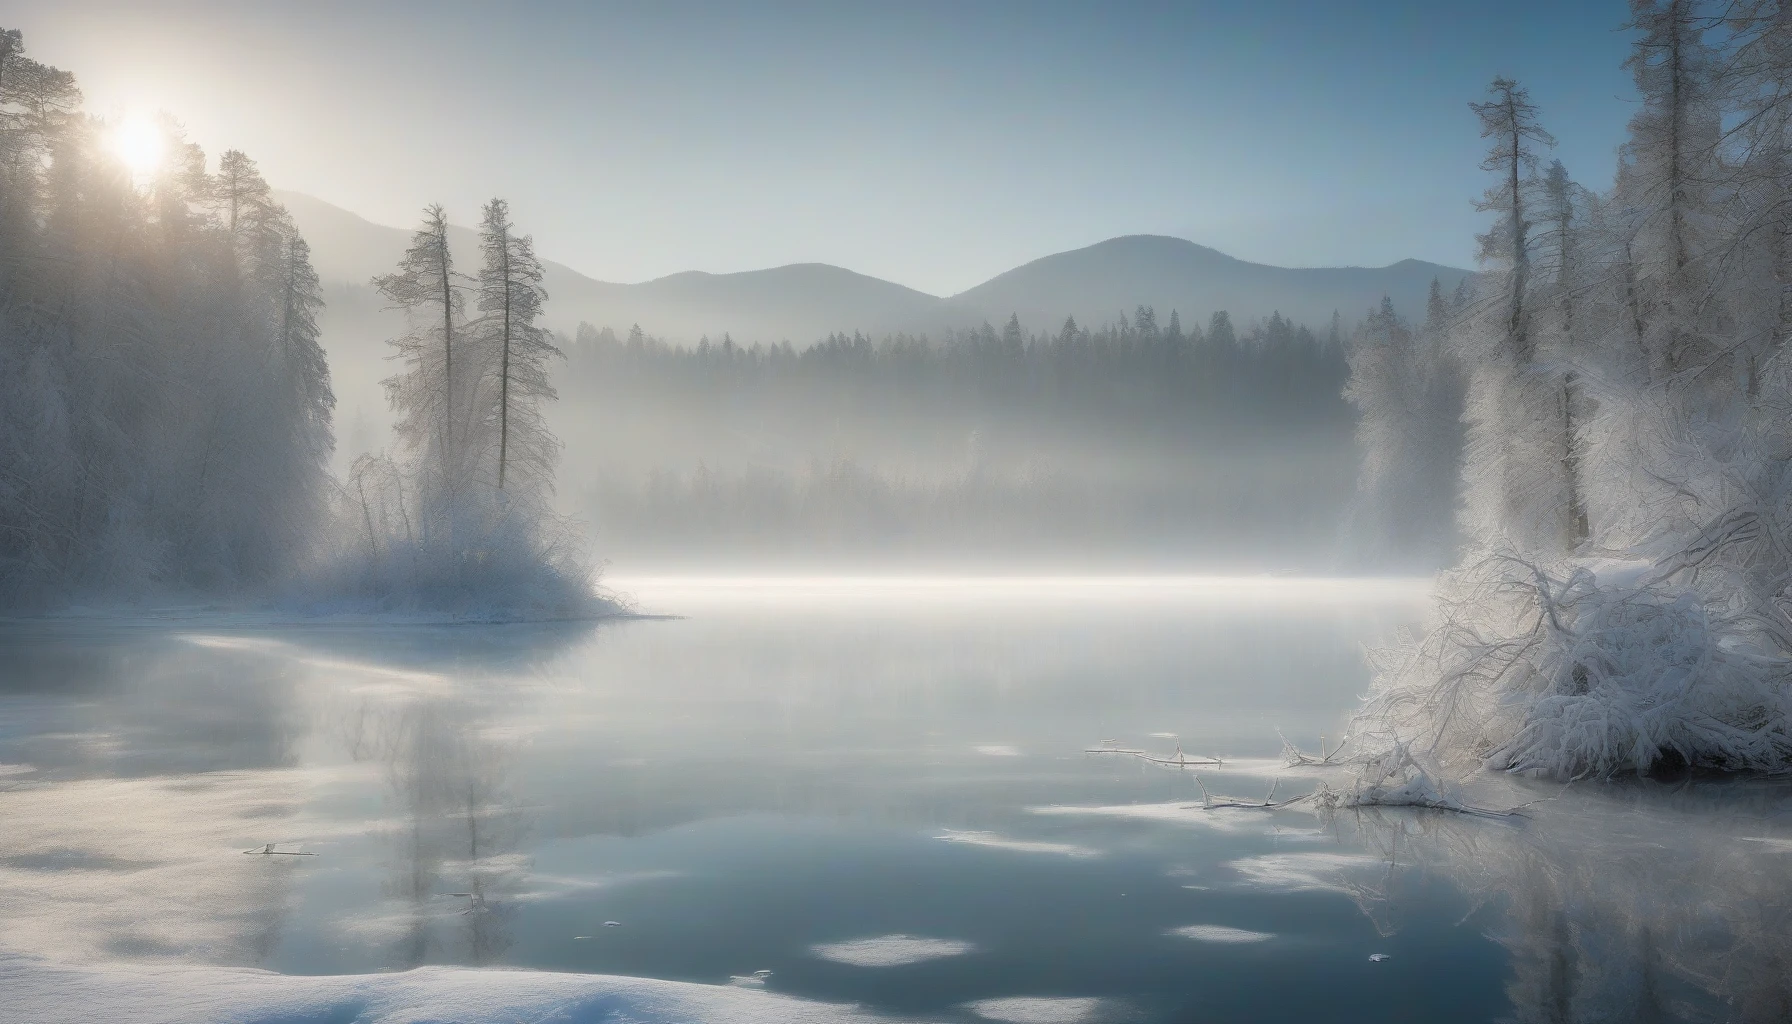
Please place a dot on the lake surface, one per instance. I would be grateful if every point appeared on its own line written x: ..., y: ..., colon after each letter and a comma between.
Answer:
x: 852, y: 792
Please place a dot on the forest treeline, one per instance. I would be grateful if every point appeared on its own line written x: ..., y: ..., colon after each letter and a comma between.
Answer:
x: 164, y: 403
x: 1137, y: 438
x: 1266, y: 376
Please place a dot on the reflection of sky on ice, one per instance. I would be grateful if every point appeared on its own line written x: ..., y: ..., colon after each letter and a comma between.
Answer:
x: 759, y: 793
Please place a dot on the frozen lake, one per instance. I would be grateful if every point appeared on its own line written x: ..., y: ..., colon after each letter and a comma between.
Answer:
x: 851, y: 792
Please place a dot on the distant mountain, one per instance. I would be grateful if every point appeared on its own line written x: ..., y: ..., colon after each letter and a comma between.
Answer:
x: 1097, y: 283
x: 801, y: 302
x: 805, y: 301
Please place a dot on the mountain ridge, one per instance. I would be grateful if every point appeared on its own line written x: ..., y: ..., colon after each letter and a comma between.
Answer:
x: 801, y: 302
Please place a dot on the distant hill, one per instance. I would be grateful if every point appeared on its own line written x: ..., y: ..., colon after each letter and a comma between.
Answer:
x: 1097, y: 283
x: 801, y: 302
x: 805, y: 301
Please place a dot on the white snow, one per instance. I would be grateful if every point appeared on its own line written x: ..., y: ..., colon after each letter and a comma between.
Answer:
x: 1038, y: 1009
x: 45, y: 993
x: 1301, y: 872
x: 990, y: 839
x: 1219, y: 933
x: 1180, y: 812
x: 890, y: 950
x: 551, y: 887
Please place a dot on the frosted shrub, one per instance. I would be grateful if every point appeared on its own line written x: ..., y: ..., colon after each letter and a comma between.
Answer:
x: 488, y: 557
x: 1566, y: 676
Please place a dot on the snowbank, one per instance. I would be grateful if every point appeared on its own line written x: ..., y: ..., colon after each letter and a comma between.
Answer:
x: 42, y: 993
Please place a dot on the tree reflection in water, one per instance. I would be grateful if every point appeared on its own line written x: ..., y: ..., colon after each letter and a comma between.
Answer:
x: 1624, y: 902
x: 455, y: 867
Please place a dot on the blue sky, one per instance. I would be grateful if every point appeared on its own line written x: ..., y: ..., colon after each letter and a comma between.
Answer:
x: 934, y: 144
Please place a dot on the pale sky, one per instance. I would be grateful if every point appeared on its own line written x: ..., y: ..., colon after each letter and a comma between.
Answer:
x: 932, y: 144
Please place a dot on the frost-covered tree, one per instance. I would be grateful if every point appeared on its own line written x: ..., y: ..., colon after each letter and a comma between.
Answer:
x: 164, y: 406
x: 240, y: 192
x: 1405, y: 385
x: 1669, y: 179
x: 1559, y: 294
x: 433, y: 396
x: 1514, y: 493
x: 510, y: 297
x: 1510, y: 120
x: 459, y: 520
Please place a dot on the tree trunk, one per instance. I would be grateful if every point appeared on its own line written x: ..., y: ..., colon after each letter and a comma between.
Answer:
x: 504, y: 369
x: 447, y: 363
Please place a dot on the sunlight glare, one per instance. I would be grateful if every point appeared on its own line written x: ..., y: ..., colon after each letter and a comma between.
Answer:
x: 137, y: 143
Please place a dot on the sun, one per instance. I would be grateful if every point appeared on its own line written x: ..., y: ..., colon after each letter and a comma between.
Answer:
x: 137, y: 143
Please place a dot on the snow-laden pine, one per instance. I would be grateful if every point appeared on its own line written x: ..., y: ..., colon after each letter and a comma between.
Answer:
x: 1622, y: 603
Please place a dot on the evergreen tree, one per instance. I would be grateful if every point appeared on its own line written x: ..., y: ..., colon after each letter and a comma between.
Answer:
x: 1144, y: 321
x: 1404, y: 386
x: 1515, y: 490
x: 1560, y: 218
x: 241, y: 193
x: 164, y: 405
x: 1067, y: 335
x: 477, y: 460
x: 1668, y: 177
x: 432, y: 395
x: 510, y: 297
x: 1013, y: 338
x: 1219, y: 331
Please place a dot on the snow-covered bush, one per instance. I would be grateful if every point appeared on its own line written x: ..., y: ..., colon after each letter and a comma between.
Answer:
x: 483, y: 558
x: 1573, y: 676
